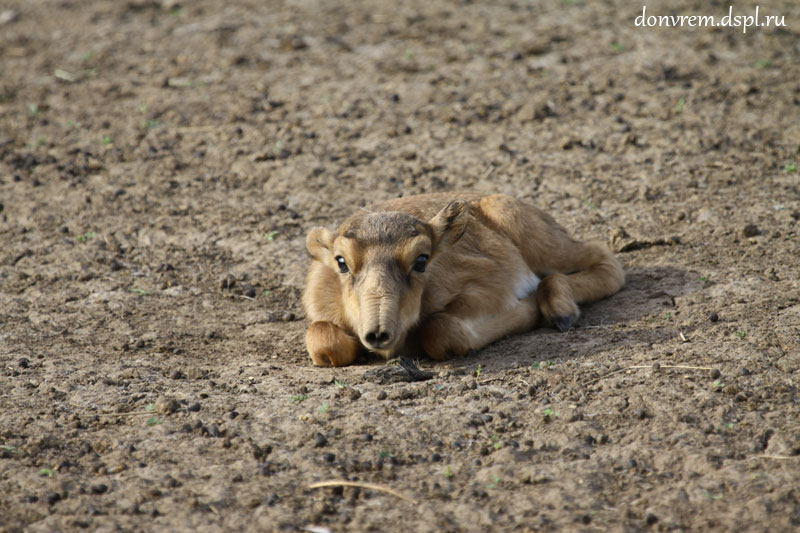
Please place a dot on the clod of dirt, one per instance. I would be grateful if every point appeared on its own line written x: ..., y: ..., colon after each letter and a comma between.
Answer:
x: 100, y: 488
x: 260, y: 452
x: 731, y: 390
x: 349, y: 393
x: 320, y: 440
x: 226, y: 283
x: 751, y: 230
x: 714, y: 373
x: 713, y: 317
x: 166, y: 405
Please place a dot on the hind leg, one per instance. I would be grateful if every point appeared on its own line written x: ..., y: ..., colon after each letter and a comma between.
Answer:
x: 576, y: 272
x: 592, y: 273
x: 330, y: 345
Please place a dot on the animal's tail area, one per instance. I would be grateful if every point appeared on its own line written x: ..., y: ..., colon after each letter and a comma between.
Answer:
x: 596, y: 273
x: 591, y: 269
x: 593, y: 273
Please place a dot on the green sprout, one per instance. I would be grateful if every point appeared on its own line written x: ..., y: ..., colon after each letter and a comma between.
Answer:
x: 46, y: 472
x: 790, y: 168
x: 741, y: 334
x: 617, y: 46
x: 324, y: 408
x: 341, y: 384
x: 153, y: 421
x: 33, y: 109
x: 298, y: 398
x: 496, y: 442
x: 680, y: 106
x: 479, y: 371
x: 86, y: 236
x: 448, y: 471
x: 107, y: 139
x: 270, y: 235
x: 140, y: 292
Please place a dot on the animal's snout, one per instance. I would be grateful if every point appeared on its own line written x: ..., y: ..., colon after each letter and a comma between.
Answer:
x: 378, y: 338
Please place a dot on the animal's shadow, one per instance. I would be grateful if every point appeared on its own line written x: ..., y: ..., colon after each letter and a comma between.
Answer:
x: 648, y: 292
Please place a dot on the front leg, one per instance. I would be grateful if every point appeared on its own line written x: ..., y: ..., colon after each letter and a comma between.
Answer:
x: 330, y: 345
x: 444, y: 335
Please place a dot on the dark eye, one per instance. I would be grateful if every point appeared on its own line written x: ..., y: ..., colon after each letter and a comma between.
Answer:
x: 342, y: 265
x: 420, y: 263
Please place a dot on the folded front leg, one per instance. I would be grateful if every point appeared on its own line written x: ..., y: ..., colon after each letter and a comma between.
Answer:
x: 444, y: 335
x: 330, y: 345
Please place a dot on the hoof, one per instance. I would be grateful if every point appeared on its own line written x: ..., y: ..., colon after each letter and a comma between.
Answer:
x: 563, y: 323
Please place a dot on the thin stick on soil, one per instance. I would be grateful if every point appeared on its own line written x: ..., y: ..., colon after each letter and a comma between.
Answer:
x: 775, y: 457
x: 129, y: 413
x: 638, y: 367
x: 358, y: 484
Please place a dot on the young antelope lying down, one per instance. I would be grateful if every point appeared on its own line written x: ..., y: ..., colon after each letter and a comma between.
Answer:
x: 444, y: 274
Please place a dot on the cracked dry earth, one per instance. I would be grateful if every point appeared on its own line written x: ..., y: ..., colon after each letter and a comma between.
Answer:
x: 160, y: 164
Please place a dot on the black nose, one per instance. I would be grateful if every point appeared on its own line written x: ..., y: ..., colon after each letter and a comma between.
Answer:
x: 377, y: 339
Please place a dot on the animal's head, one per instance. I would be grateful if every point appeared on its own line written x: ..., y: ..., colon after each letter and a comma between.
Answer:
x: 382, y: 260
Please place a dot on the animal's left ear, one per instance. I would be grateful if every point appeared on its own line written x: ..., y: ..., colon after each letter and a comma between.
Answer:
x: 450, y: 223
x: 319, y: 243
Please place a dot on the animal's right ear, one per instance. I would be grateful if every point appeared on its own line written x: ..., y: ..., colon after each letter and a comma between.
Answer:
x: 450, y: 223
x: 319, y: 243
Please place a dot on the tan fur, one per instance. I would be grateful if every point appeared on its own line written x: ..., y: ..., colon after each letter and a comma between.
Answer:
x: 482, y: 251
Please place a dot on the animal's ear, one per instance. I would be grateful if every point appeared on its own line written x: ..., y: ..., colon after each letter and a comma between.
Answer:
x: 450, y: 223
x: 319, y: 243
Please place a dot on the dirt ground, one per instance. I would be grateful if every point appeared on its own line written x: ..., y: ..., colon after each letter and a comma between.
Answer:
x: 160, y: 164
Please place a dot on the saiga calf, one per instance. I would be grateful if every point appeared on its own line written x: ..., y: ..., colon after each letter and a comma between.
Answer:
x: 444, y: 274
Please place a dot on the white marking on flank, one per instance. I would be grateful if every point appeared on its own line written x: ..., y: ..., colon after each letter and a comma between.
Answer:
x: 526, y: 286
x: 469, y: 327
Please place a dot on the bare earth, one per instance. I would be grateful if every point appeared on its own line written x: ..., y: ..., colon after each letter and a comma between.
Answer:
x: 160, y: 165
